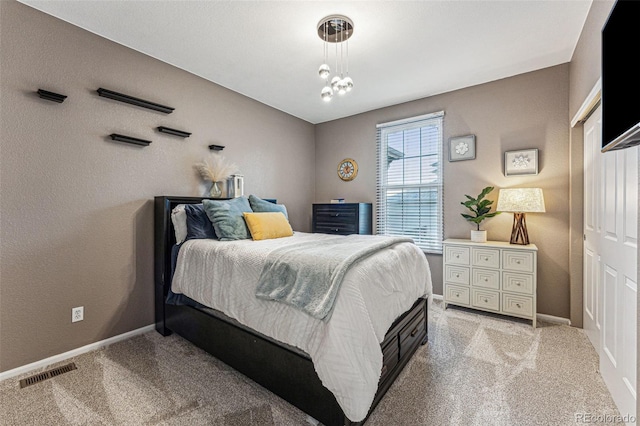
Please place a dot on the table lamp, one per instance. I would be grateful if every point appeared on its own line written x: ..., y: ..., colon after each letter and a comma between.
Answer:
x: 520, y: 201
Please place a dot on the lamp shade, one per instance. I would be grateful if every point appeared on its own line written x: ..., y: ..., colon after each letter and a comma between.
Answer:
x: 521, y: 200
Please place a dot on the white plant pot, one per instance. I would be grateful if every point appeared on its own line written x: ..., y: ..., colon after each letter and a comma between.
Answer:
x: 479, y: 236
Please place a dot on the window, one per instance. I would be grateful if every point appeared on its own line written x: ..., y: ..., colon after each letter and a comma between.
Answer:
x: 410, y: 180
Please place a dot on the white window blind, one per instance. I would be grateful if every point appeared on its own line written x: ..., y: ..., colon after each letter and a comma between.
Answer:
x: 409, y: 199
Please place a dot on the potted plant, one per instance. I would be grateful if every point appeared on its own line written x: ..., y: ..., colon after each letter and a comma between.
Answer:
x: 480, y: 209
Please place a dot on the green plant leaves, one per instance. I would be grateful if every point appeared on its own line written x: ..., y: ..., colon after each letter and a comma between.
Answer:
x: 479, y: 207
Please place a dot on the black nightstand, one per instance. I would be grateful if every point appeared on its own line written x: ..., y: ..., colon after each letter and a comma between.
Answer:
x: 343, y: 219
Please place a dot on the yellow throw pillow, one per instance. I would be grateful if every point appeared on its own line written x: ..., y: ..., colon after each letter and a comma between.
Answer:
x: 265, y: 226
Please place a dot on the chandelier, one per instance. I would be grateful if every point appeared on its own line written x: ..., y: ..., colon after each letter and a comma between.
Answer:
x: 335, y: 29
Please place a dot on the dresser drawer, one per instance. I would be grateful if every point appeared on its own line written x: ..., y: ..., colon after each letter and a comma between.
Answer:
x: 485, y: 299
x: 412, y: 334
x: 517, y: 283
x: 517, y: 260
x: 457, y: 295
x: 486, y: 278
x: 517, y: 305
x: 342, y: 219
x: 456, y: 255
x: 456, y: 274
x: 328, y: 212
x: 486, y: 257
x: 390, y: 357
x: 336, y: 228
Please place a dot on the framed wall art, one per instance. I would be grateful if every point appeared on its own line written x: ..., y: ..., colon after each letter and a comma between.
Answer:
x: 522, y: 162
x: 462, y: 148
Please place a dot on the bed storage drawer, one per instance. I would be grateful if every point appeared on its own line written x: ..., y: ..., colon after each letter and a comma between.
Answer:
x: 390, y: 357
x: 412, y: 333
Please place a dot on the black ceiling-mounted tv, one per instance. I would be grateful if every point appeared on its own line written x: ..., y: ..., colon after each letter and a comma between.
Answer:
x: 621, y: 76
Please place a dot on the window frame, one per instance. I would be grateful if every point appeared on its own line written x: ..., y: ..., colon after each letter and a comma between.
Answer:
x: 429, y: 245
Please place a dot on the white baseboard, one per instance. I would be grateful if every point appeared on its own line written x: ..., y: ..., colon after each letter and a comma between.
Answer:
x: 75, y: 352
x: 552, y: 319
x: 437, y: 297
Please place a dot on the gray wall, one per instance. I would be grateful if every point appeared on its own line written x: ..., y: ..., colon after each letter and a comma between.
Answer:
x: 584, y: 72
x: 76, y: 226
x: 525, y: 111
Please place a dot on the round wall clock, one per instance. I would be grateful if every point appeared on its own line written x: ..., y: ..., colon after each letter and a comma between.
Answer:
x: 348, y: 169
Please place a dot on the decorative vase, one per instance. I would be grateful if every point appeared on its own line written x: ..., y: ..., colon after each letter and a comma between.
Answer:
x: 479, y: 236
x: 215, y: 191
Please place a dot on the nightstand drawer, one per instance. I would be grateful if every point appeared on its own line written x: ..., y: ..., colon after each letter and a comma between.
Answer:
x: 456, y: 274
x: 516, y: 260
x: 486, y: 257
x: 456, y: 255
x: 517, y: 283
x: 485, y: 278
x: 485, y: 299
x: 517, y: 305
x: 457, y: 295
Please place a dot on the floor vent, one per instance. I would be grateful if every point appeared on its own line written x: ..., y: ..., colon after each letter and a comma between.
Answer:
x: 40, y: 377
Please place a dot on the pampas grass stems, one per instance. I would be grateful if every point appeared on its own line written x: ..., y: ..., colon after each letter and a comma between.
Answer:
x: 216, y: 169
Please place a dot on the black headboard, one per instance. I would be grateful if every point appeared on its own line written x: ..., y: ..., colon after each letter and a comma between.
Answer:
x: 164, y: 240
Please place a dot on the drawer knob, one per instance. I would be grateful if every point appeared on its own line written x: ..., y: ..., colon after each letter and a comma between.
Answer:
x: 457, y: 256
x: 486, y: 259
x: 457, y: 275
x: 518, y: 283
x: 486, y: 279
x: 336, y: 230
x: 518, y: 305
x: 457, y: 294
x: 486, y: 300
x: 415, y: 331
x: 518, y: 262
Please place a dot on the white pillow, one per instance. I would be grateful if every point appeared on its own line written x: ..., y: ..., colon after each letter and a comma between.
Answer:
x: 179, y: 219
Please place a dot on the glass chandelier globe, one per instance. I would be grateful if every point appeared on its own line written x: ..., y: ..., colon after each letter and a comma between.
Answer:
x: 334, y: 83
x: 348, y: 82
x: 326, y: 94
x: 324, y: 71
x: 342, y: 87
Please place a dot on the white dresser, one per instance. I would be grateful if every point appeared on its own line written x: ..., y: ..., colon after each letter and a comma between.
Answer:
x: 494, y: 276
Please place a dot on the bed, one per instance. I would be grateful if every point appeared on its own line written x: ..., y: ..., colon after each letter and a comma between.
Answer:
x: 284, y: 368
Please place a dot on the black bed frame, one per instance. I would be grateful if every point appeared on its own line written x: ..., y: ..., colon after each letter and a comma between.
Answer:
x: 284, y: 370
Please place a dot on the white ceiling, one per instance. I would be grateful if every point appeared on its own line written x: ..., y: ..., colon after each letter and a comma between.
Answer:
x: 400, y: 50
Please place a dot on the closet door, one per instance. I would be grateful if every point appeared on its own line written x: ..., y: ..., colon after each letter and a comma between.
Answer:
x: 610, y: 262
x: 592, y: 291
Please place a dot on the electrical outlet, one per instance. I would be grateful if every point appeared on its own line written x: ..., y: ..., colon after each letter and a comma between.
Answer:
x: 77, y: 314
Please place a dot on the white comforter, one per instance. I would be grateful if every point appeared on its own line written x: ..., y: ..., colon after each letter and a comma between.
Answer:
x: 346, y: 349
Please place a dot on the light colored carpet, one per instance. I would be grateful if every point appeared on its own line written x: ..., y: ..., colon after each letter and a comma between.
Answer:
x: 475, y: 370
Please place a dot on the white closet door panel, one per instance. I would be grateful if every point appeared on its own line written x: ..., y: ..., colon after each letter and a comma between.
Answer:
x: 609, y: 324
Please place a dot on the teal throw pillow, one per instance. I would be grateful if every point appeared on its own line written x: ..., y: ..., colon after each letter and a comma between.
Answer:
x: 259, y: 205
x: 227, y: 219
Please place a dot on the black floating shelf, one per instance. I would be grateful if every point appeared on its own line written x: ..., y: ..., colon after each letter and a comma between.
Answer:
x: 134, y: 101
x: 129, y: 139
x: 216, y: 147
x: 174, y: 132
x: 51, y: 96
